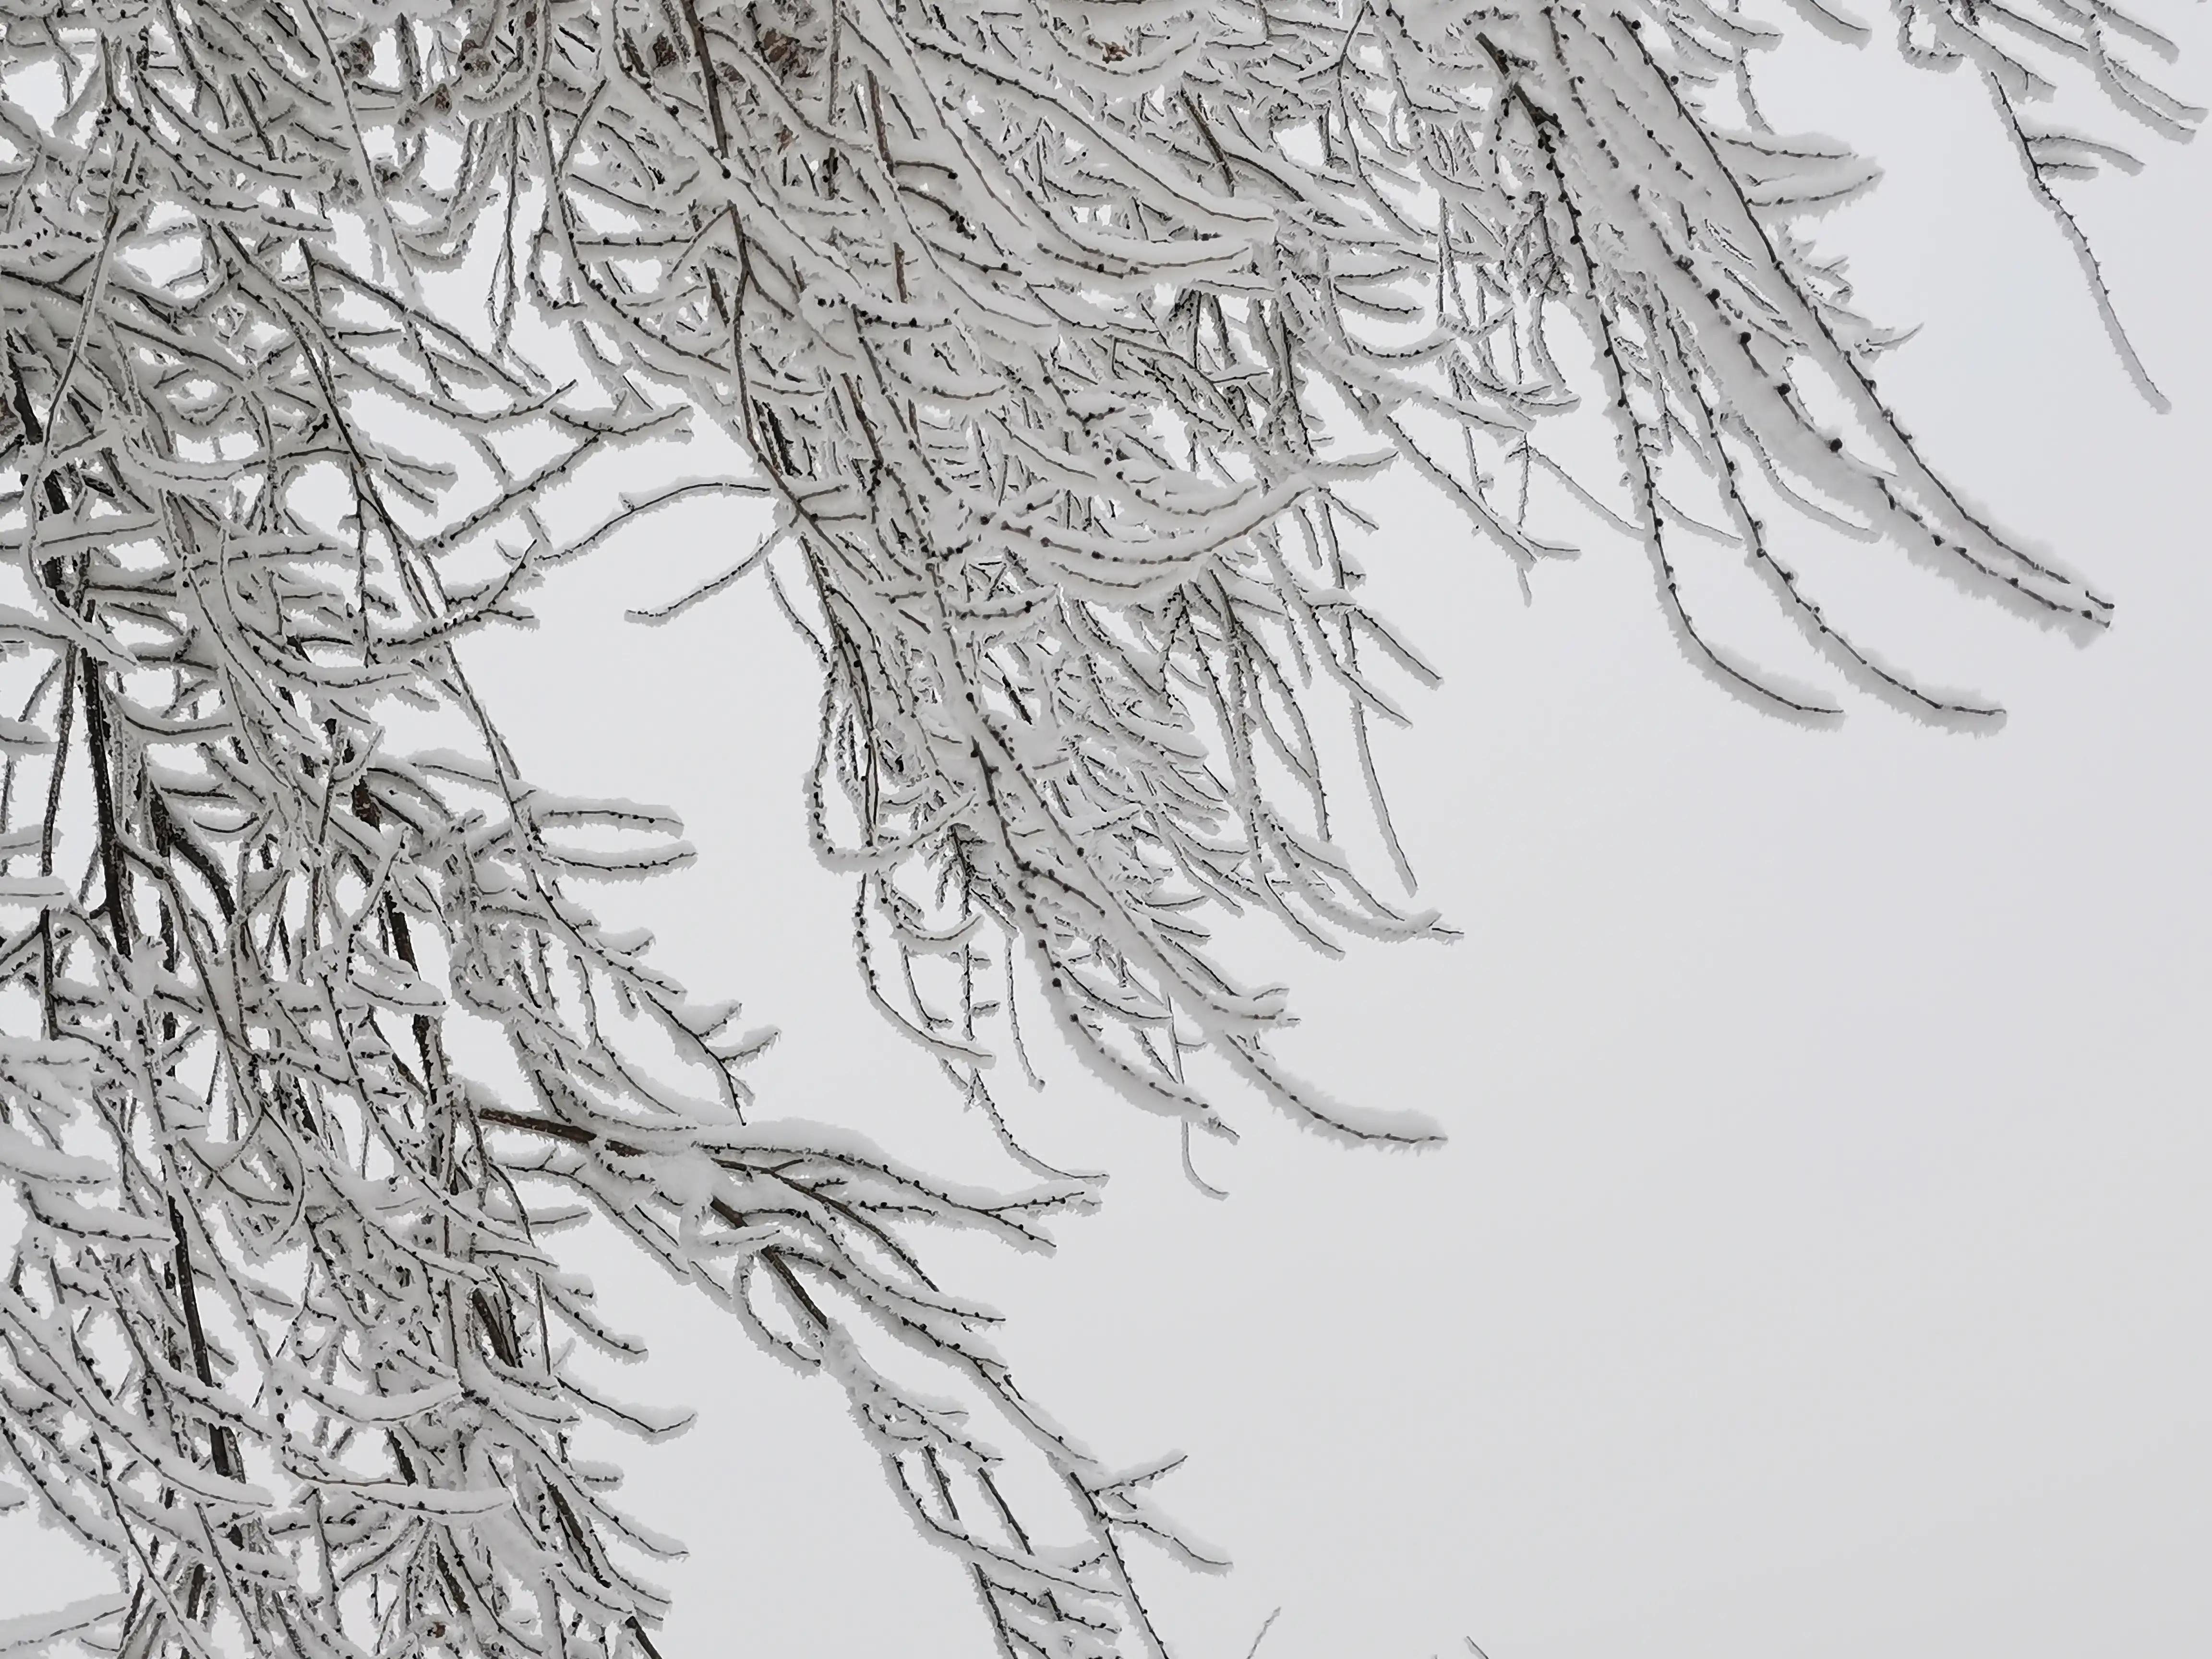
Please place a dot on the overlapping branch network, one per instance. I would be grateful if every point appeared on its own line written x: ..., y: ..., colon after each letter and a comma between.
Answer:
x: 1058, y: 334
x: 284, y: 1336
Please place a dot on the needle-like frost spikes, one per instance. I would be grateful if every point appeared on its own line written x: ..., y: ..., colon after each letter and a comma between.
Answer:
x: 1056, y: 334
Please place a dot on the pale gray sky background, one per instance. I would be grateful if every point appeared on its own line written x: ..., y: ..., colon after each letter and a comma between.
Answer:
x: 1818, y: 1263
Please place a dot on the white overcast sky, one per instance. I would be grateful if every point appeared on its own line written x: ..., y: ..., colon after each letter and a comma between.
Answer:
x: 1818, y: 1265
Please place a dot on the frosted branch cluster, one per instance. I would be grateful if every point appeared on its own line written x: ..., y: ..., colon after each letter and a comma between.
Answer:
x: 1060, y: 337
